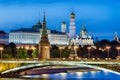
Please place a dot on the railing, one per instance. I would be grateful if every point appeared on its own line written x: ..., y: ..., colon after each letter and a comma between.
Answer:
x: 73, y: 63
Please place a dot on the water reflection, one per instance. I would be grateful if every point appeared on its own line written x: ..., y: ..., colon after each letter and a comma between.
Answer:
x: 92, y: 75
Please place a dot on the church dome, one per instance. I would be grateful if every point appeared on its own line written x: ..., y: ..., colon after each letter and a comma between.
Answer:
x: 72, y: 15
x: 37, y: 26
x: 63, y: 22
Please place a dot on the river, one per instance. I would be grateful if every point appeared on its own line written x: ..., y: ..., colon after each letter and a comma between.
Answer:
x: 91, y: 75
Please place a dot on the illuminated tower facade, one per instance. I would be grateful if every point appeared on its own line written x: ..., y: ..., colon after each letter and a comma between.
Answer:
x: 116, y: 37
x: 72, y: 29
x: 44, y: 44
x: 63, y: 27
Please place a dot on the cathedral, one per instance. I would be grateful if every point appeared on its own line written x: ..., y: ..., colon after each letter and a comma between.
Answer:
x: 82, y: 39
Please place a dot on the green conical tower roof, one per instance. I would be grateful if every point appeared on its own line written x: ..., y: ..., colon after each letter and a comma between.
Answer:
x: 83, y: 30
x: 44, y: 34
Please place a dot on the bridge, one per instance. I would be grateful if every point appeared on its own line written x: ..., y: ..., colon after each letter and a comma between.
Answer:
x: 19, y: 65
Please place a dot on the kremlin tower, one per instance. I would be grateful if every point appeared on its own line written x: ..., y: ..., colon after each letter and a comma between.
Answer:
x: 72, y: 29
x: 44, y: 44
x: 116, y: 37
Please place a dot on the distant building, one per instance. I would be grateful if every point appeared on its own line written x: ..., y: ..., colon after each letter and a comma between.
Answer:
x: 32, y: 36
x: 4, y: 38
x: 83, y: 39
x: 116, y: 37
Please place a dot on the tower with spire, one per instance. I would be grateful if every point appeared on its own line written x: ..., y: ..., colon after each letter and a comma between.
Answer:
x: 83, y: 31
x: 63, y: 27
x: 72, y: 28
x: 44, y: 44
x: 116, y: 37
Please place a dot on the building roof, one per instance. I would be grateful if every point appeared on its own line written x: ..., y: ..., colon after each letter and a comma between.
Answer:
x: 24, y: 30
x: 56, y: 32
x: 37, y: 26
x: 63, y: 22
x: 72, y: 13
x: 34, y: 28
x: 2, y: 32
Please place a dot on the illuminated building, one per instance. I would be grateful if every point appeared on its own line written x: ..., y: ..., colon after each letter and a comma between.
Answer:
x: 72, y: 28
x: 83, y: 38
x: 32, y: 36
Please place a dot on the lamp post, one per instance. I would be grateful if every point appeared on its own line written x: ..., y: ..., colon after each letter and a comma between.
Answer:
x: 118, y: 48
x: 108, y: 49
x: 76, y: 47
x: 1, y: 49
x: 60, y: 51
x: 89, y: 48
x: 27, y: 48
x: 18, y: 51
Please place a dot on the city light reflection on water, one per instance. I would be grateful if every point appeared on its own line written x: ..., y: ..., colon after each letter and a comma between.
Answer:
x: 91, y: 75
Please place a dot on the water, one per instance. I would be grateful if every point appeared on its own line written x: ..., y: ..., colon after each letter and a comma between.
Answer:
x: 92, y: 75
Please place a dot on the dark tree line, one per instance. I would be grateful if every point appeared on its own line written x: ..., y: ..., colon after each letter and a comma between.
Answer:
x: 10, y: 51
x: 99, y: 50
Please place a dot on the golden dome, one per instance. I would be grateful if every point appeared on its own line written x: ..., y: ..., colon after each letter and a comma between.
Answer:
x: 72, y: 15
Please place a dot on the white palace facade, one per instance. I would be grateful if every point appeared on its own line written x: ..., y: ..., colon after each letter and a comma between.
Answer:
x: 32, y: 36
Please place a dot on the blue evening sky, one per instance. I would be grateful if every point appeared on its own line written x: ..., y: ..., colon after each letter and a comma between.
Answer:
x: 101, y: 17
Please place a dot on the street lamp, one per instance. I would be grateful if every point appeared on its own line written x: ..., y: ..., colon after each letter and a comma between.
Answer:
x: 108, y: 48
x: 1, y: 49
x: 18, y: 51
x: 60, y: 51
x: 118, y: 48
x: 76, y: 47
x: 89, y: 51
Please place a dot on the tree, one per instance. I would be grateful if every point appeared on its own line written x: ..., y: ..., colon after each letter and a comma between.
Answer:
x: 8, y: 51
x: 35, y: 53
x: 13, y: 48
x: 65, y: 53
x: 55, y: 53
x: 114, y: 43
x: 104, y: 42
x: 22, y: 53
x: 6, y: 56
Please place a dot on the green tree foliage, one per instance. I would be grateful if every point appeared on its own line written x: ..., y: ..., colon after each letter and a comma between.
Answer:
x: 65, y: 53
x: 6, y: 56
x: 22, y: 53
x: 8, y: 51
x: 35, y: 53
